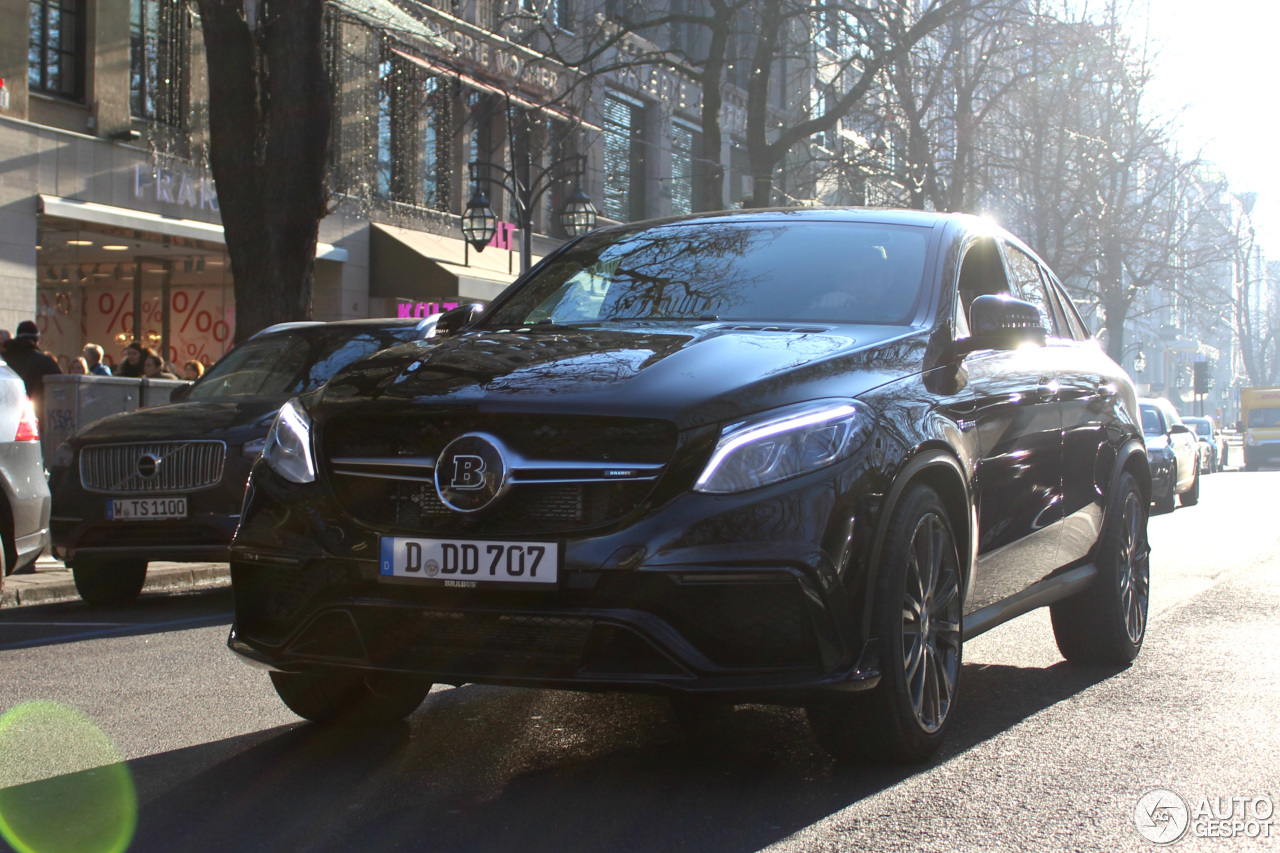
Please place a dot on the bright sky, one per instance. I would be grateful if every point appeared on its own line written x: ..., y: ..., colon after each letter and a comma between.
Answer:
x: 1221, y: 60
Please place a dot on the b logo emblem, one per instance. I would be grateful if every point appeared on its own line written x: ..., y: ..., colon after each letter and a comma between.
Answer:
x: 471, y: 472
x: 468, y: 473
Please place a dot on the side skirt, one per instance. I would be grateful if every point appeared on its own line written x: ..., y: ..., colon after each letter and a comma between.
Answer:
x: 1040, y: 594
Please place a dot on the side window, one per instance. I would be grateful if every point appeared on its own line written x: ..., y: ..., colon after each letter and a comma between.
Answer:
x: 1079, y: 330
x: 1025, y: 275
x: 981, y: 273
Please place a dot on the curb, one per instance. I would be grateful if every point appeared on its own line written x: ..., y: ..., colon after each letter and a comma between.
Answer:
x: 48, y: 586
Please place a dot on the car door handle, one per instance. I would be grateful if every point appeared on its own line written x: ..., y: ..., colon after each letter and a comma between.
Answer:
x: 1107, y: 390
x: 1048, y: 388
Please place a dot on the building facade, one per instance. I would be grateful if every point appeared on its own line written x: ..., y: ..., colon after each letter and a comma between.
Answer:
x: 109, y: 221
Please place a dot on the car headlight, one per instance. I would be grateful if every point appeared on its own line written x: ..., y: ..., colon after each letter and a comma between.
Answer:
x: 288, y: 444
x: 782, y: 445
x: 64, y: 455
x: 1250, y: 440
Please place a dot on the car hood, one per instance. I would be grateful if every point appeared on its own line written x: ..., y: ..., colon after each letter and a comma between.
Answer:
x: 234, y: 423
x: 688, y: 374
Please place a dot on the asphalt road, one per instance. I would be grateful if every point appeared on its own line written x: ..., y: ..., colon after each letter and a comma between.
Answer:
x: 1042, y: 756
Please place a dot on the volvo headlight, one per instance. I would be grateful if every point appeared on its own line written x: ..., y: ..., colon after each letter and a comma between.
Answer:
x: 288, y: 444
x: 781, y: 445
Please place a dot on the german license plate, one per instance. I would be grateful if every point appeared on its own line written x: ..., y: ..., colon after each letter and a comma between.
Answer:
x: 468, y: 563
x: 146, y: 509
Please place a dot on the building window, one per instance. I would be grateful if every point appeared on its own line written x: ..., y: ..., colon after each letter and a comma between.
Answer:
x: 157, y: 60
x: 684, y: 144
x: 384, y: 160
x: 434, y: 123
x: 55, y: 47
x: 624, y: 160
x: 560, y: 8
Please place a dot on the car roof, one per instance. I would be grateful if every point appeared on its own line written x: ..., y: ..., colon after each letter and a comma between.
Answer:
x: 889, y: 216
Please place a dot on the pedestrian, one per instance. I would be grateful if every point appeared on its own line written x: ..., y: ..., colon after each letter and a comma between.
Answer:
x: 4, y: 336
x: 78, y: 367
x: 93, y: 357
x: 192, y: 370
x: 22, y: 353
x: 153, y: 368
x: 134, y: 354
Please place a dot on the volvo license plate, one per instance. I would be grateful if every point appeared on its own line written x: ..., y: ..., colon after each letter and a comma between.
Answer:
x: 470, y: 563
x: 146, y: 509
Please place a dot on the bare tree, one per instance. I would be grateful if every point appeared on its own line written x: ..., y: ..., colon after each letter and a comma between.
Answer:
x: 270, y: 105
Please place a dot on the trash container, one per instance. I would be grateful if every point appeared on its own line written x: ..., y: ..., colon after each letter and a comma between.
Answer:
x: 73, y: 401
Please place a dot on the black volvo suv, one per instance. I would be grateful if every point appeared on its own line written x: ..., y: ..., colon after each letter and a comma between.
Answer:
x: 786, y: 456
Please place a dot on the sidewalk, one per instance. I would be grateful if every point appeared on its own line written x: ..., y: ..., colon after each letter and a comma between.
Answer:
x: 52, y: 581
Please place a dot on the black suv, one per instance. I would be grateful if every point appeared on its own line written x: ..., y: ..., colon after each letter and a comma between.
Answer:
x: 166, y: 483
x: 786, y: 456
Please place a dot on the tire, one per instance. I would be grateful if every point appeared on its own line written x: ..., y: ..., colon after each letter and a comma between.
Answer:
x: 917, y: 617
x: 1106, y: 623
x: 1165, y: 503
x: 109, y: 583
x: 350, y: 697
x: 1191, y: 496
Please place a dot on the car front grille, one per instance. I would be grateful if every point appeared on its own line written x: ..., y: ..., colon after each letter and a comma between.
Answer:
x: 170, y: 466
x: 580, y: 472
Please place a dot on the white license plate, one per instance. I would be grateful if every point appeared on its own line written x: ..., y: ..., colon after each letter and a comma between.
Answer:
x: 146, y: 509
x: 468, y: 563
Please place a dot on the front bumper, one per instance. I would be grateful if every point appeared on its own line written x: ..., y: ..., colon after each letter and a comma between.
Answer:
x: 743, y: 597
x: 81, y: 530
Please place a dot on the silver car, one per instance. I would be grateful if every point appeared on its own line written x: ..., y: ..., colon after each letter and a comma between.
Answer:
x: 24, y: 491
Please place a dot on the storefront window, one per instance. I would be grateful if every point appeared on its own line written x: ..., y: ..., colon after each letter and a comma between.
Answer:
x: 55, y: 47
x: 624, y: 160
x: 157, y: 60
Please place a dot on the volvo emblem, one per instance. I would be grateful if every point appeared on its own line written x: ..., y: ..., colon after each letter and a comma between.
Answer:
x: 471, y: 472
x: 148, y: 465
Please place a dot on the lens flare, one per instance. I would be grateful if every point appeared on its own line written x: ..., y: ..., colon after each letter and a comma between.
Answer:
x: 64, y: 787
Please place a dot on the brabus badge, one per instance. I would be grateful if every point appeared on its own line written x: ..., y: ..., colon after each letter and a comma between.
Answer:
x: 471, y: 472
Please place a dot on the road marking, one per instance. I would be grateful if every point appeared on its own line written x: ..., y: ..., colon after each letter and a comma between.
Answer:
x: 121, y: 628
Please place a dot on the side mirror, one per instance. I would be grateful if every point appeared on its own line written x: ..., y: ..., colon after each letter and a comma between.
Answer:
x: 1002, y: 322
x: 457, y: 319
x: 1179, y: 429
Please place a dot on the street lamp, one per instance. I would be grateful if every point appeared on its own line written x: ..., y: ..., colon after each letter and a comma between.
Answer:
x: 1140, y: 360
x: 479, y: 223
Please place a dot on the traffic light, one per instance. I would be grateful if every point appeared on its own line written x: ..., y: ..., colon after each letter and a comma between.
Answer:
x: 1200, y: 372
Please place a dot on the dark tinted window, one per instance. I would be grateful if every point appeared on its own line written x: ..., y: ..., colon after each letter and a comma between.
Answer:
x: 1152, y: 424
x: 1264, y: 417
x: 290, y: 363
x: 1025, y: 273
x: 815, y: 272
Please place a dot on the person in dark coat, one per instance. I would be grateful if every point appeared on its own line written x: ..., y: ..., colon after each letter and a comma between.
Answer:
x: 134, y: 356
x: 22, y: 353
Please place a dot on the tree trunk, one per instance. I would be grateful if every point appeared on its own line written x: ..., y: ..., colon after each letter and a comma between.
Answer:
x: 270, y: 110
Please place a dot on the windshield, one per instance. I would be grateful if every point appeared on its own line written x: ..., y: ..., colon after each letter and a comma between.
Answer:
x: 1200, y: 425
x: 1151, y: 422
x: 826, y: 272
x: 289, y: 363
x: 1264, y: 418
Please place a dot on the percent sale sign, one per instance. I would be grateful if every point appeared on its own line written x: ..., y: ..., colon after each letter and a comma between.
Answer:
x: 200, y: 322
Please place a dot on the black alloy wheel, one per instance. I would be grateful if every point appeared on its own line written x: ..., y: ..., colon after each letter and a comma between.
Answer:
x: 1106, y: 623
x: 109, y: 582
x: 349, y: 696
x: 917, y: 616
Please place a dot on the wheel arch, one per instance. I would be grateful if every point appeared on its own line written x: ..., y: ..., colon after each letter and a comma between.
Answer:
x: 1132, y: 459
x: 939, y: 468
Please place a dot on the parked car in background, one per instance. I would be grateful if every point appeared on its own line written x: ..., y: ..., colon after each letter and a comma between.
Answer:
x: 24, y: 492
x: 793, y: 456
x: 166, y: 483
x: 1174, y: 454
x: 1213, y: 444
